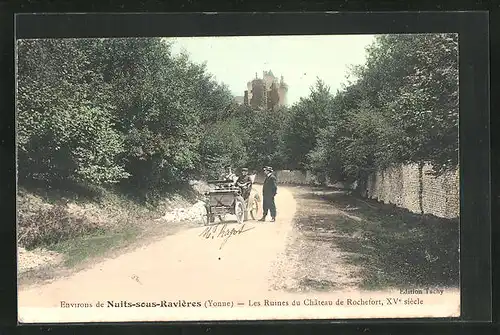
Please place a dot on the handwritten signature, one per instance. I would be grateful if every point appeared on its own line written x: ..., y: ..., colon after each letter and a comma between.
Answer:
x: 222, y: 231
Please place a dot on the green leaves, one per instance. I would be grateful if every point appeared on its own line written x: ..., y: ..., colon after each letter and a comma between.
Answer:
x: 308, y: 116
x: 427, y: 103
x: 62, y: 132
x: 121, y: 110
x: 223, y: 144
x: 266, y: 138
x: 112, y: 110
x: 126, y: 111
x: 402, y: 108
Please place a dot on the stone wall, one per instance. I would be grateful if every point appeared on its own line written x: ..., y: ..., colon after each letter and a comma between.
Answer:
x: 296, y: 177
x: 291, y: 177
x: 401, y: 186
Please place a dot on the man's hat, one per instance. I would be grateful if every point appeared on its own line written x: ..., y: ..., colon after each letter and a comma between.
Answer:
x: 268, y: 168
x: 244, y: 169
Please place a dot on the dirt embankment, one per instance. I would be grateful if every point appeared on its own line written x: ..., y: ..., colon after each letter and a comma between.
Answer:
x: 37, y: 258
x: 48, y: 224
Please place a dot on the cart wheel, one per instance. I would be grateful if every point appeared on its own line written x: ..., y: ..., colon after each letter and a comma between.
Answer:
x: 245, y: 211
x: 254, y: 207
x: 239, y: 209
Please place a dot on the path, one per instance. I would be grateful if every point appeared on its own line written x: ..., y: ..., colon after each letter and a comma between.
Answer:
x: 313, y: 261
x: 181, y: 266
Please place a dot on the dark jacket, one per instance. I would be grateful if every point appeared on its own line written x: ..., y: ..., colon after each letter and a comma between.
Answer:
x: 270, y: 188
x: 248, y: 185
x: 244, y: 180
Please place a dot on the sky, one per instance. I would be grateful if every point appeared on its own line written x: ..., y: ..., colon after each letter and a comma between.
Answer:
x: 299, y: 59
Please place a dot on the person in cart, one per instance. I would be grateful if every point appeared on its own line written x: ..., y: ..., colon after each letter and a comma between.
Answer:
x: 244, y: 182
x: 228, y: 176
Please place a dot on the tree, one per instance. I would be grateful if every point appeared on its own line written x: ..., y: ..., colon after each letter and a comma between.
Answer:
x: 265, y: 138
x: 115, y: 110
x: 416, y: 80
x: 308, y: 116
x: 65, y: 127
x: 222, y: 145
x: 403, y: 108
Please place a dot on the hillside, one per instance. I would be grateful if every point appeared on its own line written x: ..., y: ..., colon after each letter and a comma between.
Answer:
x: 60, y: 230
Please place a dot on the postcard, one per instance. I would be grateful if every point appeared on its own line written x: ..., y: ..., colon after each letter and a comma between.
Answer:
x: 238, y: 178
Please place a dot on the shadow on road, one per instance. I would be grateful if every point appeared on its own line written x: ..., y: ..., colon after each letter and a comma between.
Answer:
x: 389, y: 247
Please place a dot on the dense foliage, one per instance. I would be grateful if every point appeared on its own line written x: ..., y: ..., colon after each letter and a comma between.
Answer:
x: 122, y: 111
x: 128, y: 112
x: 403, y: 108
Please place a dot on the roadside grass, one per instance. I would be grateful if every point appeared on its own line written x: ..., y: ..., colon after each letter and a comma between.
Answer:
x: 392, y: 247
x: 83, y: 248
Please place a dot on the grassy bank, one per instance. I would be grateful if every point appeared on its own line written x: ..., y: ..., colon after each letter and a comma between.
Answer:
x: 86, y: 223
x: 390, y: 247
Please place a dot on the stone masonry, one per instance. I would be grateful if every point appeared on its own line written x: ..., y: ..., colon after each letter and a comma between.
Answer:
x: 400, y: 186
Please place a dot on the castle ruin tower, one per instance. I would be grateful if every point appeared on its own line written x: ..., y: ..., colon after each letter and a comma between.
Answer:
x: 248, y: 94
x: 266, y: 93
x: 282, y: 92
x: 259, y: 94
x: 269, y: 79
x: 273, y: 98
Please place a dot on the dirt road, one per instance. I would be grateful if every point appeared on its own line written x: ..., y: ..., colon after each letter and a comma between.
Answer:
x: 223, y: 259
x: 252, y: 270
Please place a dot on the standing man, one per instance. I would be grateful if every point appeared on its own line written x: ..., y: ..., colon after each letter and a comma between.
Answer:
x: 269, y: 190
